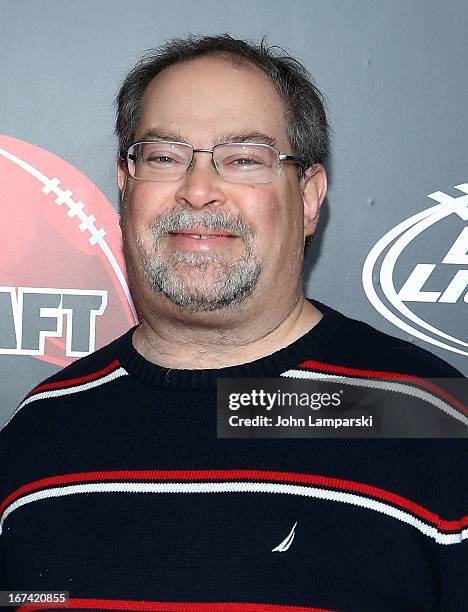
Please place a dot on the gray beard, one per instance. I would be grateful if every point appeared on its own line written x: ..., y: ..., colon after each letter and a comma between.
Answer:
x: 213, y: 283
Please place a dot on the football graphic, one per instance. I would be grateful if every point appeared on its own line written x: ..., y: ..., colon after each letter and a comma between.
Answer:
x: 63, y: 289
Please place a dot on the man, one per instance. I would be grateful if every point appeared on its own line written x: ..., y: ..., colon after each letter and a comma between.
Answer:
x: 116, y: 487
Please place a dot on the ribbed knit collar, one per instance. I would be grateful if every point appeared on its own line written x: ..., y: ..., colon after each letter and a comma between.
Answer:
x: 309, y: 346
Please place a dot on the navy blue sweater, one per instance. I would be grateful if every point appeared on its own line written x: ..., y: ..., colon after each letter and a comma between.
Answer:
x: 115, y: 487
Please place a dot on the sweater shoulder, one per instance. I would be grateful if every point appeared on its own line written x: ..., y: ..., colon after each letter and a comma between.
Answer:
x: 406, y: 357
x: 365, y: 347
x: 84, y: 373
x: 93, y: 365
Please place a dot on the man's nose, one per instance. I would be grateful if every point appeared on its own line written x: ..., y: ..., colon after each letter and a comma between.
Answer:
x: 201, y: 184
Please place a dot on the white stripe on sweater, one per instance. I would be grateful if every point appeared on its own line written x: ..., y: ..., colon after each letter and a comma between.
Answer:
x: 398, y: 387
x: 241, y: 487
x: 70, y: 390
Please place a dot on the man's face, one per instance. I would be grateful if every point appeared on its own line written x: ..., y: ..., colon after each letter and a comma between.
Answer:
x: 205, y: 102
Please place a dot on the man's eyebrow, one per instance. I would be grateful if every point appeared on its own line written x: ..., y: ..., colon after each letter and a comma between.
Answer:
x: 257, y: 137
x: 155, y: 134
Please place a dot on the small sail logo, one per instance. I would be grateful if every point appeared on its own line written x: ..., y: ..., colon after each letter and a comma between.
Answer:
x: 286, y: 543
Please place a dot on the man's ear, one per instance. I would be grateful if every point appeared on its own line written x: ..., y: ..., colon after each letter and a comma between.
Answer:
x: 313, y: 186
x: 122, y: 178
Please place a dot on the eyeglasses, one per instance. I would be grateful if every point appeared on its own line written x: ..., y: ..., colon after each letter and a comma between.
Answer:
x: 239, y: 162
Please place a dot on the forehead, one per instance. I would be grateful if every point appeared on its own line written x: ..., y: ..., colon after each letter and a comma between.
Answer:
x: 210, y: 96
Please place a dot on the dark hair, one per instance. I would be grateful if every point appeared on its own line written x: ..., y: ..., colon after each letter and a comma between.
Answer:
x: 306, y: 120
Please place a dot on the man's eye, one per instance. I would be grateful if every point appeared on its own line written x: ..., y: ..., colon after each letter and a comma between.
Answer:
x: 246, y: 161
x: 163, y: 160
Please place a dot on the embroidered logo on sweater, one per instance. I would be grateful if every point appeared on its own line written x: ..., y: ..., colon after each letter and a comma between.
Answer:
x: 288, y: 540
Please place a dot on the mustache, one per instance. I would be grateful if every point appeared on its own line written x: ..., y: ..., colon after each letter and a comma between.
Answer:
x: 183, y: 218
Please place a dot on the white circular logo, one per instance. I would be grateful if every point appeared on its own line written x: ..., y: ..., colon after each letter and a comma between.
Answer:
x: 425, y: 282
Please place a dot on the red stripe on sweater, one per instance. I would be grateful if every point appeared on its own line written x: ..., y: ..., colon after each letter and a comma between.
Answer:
x: 172, y: 606
x: 244, y: 475
x: 382, y: 374
x: 70, y: 382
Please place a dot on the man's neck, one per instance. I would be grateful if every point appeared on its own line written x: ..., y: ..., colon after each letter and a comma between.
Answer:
x: 172, y: 345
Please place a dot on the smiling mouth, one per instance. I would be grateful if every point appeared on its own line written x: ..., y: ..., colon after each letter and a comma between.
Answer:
x: 201, y: 232
x: 202, y: 236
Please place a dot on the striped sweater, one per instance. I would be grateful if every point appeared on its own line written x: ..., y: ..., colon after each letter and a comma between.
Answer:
x: 115, y: 487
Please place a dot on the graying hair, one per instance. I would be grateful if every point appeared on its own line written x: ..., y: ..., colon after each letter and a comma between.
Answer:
x: 306, y: 121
